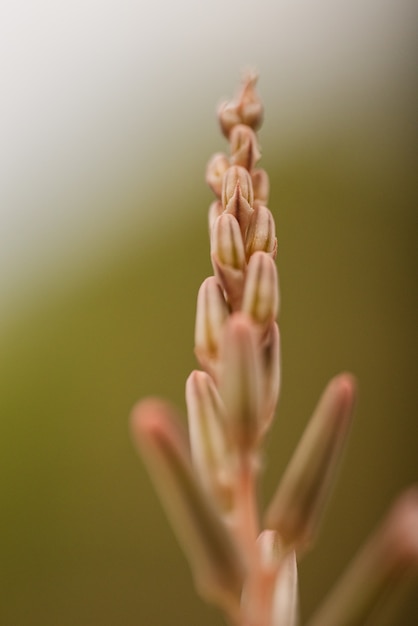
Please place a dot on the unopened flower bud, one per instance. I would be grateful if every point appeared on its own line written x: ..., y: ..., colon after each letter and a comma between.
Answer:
x: 211, y: 314
x: 244, y: 147
x: 246, y: 108
x: 298, y: 504
x: 237, y: 195
x: 261, y: 232
x: 215, y: 171
x: 228, y: 257
x: 270, y: 593
x: 261, y: 291
x: 228, y: 116
x: 285, y: 603
x: 236, y: 178
x: 214, y: 557
x: 215, y: 210
x: 379, y: 569
x: 271, y: 375
x: 226, y: 241
x: 241, y: 384
x: 261, y: 186
x: 211, y: 452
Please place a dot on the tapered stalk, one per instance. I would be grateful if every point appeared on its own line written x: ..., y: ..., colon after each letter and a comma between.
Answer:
x: 245, y: 523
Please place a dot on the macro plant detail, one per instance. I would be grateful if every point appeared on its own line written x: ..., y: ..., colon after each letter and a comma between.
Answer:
x: 244, y: 560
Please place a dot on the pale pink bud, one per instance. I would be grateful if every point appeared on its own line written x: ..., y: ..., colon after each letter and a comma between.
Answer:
x: 270, y: 594
x: 244, y: 146
x: 236, y: 178
x: 381, y: 566
x: 228, y: 257
x: 246, y: 108
x: 237, y: 195
x: 211, y: 452
x: 400, y: 533
x: 211, y: 314
x: 241, y: 384
x: 215, y: 210
x: 261, y: 233
x: 215, y: 171
x: 228, y: 116
x: 270, y: 550
x: 271, y: 375
x: 226, y: 242
x: 251, y: 106
x: 261, y: 186
x: 298, y: 504
x: 261, y: 291
x: 285, y: 595
x: 213, y: 555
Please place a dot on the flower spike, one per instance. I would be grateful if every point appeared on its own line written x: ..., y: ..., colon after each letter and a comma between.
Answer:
x: 208, y: 483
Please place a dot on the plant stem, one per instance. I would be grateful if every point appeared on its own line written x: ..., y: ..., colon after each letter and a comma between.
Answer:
x: 247, y: 517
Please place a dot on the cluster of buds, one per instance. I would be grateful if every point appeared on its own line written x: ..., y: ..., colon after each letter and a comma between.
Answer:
x: 242, y: 561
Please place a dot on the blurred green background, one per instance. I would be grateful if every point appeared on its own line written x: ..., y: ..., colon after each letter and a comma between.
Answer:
x: 84, y: 541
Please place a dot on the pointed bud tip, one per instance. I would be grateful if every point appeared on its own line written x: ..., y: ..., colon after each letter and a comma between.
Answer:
x: 402, y: 528
x: 244, y: 146
x: 347, y: 382
x: 344, y: 388
x: 153, y: 419
x: 148, y: 415
x: 245, y: 108
x: 237, y: 184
